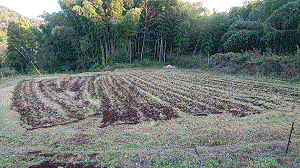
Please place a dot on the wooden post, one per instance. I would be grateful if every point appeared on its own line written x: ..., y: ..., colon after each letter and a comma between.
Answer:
x: 208, y: 58
x: 287, y: 148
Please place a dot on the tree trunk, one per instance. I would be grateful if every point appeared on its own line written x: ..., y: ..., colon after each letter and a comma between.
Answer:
x: 208, y: 58
x: 143, y: 45
x: 161, y: 49
x: 165, y: 50
x: 195, y: 48
x: 106, y: 52
x: 130, y: 50
x: 103, y: 55
x: 144, y: 36
x: 155, y: 49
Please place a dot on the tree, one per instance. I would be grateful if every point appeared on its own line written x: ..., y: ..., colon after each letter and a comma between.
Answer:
x: 243, y: 36
x: 239, y: 13
x: 189, y: 35
x: 3, y: 46
x: 217, y: 25
x: 130, y: 28
x: 3, y: 36
x: 262, y: 10
x: 282, y: 28
x: 57, y: 47
x: 20, y: 37
x: 149, y: 17
x: 3, y: 58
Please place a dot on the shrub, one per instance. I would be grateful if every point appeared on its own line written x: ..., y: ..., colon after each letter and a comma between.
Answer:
x: 243, y: 36
x: 244, y: 40
x: 272, y: 66
x: 283, y: 41
x: 246, y: 25
x: 282, y: 28
x: 6, y: 71
x: 186, y: 61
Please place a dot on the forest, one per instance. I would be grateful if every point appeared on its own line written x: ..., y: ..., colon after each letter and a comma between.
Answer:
x: 260, y: 37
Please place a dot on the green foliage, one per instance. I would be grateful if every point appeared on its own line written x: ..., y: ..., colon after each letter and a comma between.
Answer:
x: 230, y: 62
x: 243, y: 36
x: 7, y: 15
x: 262, y: 10
x: 3, y: 57
x: 20, y: 37
x: 6, y: 71
x: 218, y: 24
x: 283, y: 41
x: 284, y: 18
x: 239, y: 13
x: 282, y: 28
x: 243, y: 41
x: 185, y: 61
x: 221, y: 59
x: 191, y: 37
x: 131, y: 22
x: 268, y: 162
x: 254, y: 62
x: 3, y: 36
x: 246, y: 25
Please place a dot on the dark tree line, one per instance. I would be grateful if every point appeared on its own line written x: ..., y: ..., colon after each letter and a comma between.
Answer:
x: 90, y: 34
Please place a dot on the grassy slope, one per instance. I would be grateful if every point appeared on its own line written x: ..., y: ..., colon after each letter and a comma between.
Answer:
x: 221, y: 140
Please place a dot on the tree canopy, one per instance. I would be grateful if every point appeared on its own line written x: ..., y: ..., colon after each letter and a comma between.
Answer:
x: 90, y: 34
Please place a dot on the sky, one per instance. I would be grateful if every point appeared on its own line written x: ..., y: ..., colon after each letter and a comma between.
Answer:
x: 34, y: 8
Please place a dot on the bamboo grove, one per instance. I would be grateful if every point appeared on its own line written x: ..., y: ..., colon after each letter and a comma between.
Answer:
x: 91, y: 34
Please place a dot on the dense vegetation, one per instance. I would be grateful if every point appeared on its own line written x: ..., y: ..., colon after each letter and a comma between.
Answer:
x: 88, y: 35
x: 7, y: 15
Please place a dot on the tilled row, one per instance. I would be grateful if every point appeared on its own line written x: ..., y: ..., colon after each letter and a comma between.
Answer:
x: 175, y: 100
x: 265, y: 92
x: 122, y: 103
x: 33, y: 111
x: 149, y: 108
x: 47, y: 103
x: 205, y: 99
x: 136, y: 96
x: 221, y: 90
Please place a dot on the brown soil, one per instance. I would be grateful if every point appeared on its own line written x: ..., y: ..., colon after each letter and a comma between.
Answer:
x: 123, y: 103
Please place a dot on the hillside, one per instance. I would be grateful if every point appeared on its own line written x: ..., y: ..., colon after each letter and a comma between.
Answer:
x: 7, y: 15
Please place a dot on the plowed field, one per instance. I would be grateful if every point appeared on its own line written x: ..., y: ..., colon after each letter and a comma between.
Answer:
x: 130, y: 97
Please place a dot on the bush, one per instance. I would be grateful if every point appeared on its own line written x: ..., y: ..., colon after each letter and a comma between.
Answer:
x: 252, y: 63
x: 272, y: 66
x: 283, y: 41
x: 186, y: 61
x: 146, y: 62
x: 243, y: 36
x: 230, y: 62
x: 244, y: 40
x: 6, y: 71
x: 246, y: 25
x: 221, y: 59
x: 284, y: 18
x: 282, y: 28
